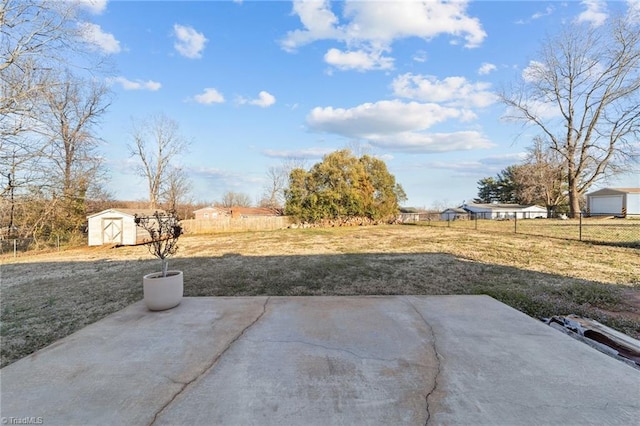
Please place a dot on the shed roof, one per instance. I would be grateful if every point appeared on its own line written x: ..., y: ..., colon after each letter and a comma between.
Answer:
x: 610, y: 191
x: 127, y: 212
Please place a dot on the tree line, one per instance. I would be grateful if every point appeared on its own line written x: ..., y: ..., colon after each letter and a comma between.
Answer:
x: 51, y: 102
x: 53, y: 95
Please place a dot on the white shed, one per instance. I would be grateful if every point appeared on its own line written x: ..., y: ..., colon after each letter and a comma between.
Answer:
x: 115, y: 226
x: 614, y: 202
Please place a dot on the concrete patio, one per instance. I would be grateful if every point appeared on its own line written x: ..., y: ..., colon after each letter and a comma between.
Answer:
x: 388, y: 360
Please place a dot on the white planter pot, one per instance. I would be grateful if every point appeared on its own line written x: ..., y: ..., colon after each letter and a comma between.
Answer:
x: 162, y: 293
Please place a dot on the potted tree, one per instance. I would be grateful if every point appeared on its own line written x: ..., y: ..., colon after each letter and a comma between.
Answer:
x: 164, y: 289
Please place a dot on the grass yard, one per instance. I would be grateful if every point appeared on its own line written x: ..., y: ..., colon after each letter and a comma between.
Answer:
x: 625, y: 232
x: 47, y: 296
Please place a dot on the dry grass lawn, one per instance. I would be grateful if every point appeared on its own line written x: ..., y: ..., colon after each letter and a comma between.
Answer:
x: 47, y: 296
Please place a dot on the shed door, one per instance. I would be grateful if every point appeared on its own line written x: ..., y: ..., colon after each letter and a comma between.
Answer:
x: 610, y: 204
x: 112, y: 231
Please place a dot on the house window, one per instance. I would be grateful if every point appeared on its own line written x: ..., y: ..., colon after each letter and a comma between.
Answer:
x: 206, y: 215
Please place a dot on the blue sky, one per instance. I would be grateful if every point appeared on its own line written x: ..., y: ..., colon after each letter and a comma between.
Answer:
x: 254, y: 83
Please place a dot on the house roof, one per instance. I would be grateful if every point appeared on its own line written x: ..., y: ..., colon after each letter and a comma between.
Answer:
x: 616, y: 190
x: 501, y: 206
x: 455, y: 210
x: 215, y: 209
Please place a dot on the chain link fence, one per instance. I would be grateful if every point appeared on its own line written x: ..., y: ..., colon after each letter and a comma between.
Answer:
x: 16, y: 246
x: 610, y: 229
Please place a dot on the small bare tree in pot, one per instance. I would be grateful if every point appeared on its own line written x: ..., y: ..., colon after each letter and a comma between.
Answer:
x: 164, y: 289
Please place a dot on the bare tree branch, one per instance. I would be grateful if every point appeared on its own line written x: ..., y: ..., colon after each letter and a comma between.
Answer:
x: 157, y: 143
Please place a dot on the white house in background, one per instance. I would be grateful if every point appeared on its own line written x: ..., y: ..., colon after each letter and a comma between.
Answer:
x: 454, y: 213
x: 614, y: 202
x: 116, y: 226
x: 505, y: 211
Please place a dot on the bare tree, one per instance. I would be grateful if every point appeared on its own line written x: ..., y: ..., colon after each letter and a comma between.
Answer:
x: 277, y: 182
x: 273, y: 196
x: 583, y: 95
x: 37, y: 36
x: 541, y: 179
x: 157, y: 143
x: 39, y: 40
x: 72, y: 109
x: 235, y: 199
x: 358, y: 148
x: 32, y: 36
x: 176, y: 189
x: 32, y: 28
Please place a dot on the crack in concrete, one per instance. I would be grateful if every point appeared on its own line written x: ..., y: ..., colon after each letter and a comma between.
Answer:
x: 438, y: 365
x: 172, y: 380
x: 212, y: 364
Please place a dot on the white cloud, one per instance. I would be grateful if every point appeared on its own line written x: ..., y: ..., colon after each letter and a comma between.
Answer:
x: 319, y: 23
x: 209, y: 96
x: 224, y: 179
x: 137, y: 84
x: 595, y: 13
x: 370, y: 28
x: 416, y: 142
x: 387, y: 21
x: 384, y: 117
x: 481, y: 167
x: 309, y: 153
x: 264, y: 100
x: 399, y: 126
x: 486, y: 68
x: 548, y: 11
x: 95, y: 7
x: 504, y: 160
x: 190, y: 43
x: 452, y: 91
x: 102, y: 40
x: 359, y: 60
x: 420, y: 56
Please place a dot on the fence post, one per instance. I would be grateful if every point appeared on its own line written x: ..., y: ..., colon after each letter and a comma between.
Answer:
x: 448, y: 220
x: 476, y: 220
x: 515, y: 223
x: 15, y: 248
x: 580, y: 237
x: 58, y: 241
